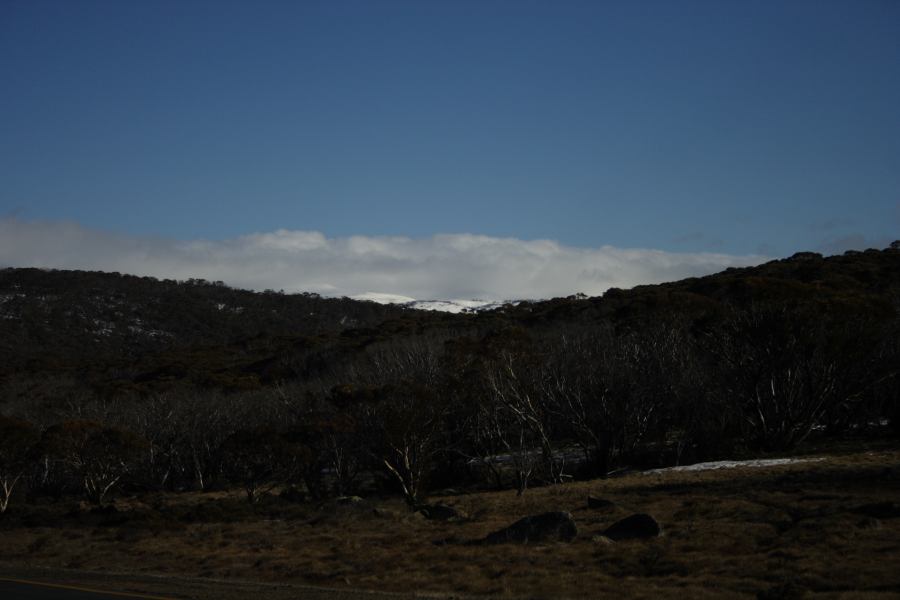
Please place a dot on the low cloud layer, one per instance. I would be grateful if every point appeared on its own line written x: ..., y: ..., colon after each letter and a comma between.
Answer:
x: 458, y: 266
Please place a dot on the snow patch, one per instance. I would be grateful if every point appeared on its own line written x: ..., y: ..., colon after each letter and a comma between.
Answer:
x: 454, y: 306
x: 451, y: 306
x: 731, y: 464
x: 382, y: 298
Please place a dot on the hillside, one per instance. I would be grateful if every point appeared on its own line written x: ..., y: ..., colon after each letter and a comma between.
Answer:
x: 872, y: 276
x: 48, y: 311
x: 112, y: 329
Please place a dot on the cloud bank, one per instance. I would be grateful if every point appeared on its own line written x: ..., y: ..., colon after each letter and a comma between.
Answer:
x: 451, y: 266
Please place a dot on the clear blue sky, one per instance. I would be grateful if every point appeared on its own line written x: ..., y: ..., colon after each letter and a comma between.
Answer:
x: 729, y: 126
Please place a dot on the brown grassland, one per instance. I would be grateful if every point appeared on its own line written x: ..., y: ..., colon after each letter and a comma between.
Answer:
x: 823, y: 529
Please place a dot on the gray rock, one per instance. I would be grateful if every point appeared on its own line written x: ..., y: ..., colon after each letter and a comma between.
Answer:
x: 545, y: 527
x: 637, y: 526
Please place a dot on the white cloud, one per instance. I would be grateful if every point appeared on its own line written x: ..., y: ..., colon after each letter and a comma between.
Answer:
x: 439, y: 267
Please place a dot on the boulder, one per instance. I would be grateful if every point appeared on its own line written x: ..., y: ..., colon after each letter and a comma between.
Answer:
x: 545, y: 527
x: 600, y: 503
x: 442, y: 512
x: 637, y: 526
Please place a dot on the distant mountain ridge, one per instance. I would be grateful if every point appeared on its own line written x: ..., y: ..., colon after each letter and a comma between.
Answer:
x: 450, y: 306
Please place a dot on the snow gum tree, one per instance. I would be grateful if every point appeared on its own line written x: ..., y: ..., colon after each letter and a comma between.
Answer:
x: 261, y: 459
x: 99, y: 455
x: 18, y: 451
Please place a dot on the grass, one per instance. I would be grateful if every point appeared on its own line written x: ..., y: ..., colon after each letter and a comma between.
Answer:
x: 804, y: 530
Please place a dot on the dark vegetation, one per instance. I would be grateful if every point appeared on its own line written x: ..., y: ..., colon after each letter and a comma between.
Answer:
x: 111, y: 382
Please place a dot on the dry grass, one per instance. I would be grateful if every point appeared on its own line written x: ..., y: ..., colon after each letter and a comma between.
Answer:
x: 781, y: 532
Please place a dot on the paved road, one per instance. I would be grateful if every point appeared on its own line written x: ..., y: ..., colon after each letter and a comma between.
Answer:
x: 21, y: 590
x: 27, y: 583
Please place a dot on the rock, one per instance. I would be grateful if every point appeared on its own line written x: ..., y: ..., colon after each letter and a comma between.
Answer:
x: 636, y: 526
x: 600, y: 503
x: 545, y: 527
x: 441, y: 512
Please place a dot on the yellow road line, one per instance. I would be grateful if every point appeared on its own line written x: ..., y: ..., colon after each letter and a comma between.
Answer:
x: 76, y: 588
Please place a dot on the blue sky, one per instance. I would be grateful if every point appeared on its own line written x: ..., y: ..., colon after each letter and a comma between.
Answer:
x: 735, y: 128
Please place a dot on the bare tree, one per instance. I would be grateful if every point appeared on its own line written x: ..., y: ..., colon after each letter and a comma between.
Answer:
x: 330, y: 430
x: 18, y: 441
x: 206, y: 421
x: 98, y: 454
x: 261, y: 459
x: 608, y: 389
x: 785, y: 368
x: 157, y: 418
x: 580, y: 389
x: 401, y: 409
x: 519, y: 417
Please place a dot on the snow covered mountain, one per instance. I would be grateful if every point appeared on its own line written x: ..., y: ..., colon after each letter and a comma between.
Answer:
x: 451, y: 306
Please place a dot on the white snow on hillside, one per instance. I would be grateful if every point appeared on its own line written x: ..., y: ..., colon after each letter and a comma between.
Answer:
x: 382, y: 298
x: 454, y: 306
x: 451, y: 306
x: 731, y: 464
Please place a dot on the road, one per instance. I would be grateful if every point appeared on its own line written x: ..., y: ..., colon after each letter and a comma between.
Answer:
x: 32, y: 583
x: 28, y: 590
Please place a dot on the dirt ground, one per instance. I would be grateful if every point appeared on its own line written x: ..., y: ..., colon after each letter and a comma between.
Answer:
x: 823, y: 529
